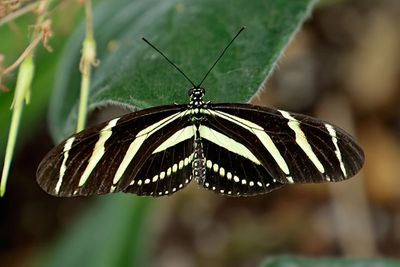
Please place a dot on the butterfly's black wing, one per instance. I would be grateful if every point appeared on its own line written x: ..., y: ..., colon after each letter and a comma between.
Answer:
x: 168, y: 170
x: 280, y: 146
x: 231, y: 174
x: 108, y: 157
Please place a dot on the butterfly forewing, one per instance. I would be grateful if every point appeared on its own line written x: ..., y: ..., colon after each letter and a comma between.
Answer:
x: 107, y: 157
x: 339, y: 151
x: 302, y: 148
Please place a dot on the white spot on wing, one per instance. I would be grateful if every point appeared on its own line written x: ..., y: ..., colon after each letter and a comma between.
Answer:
x: 162, y: 175
x: 222, y: 171
x: 215, y: 167
x: 209, y: 164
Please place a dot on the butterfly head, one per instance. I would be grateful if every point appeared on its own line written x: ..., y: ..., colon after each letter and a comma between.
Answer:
x: 196, y: 95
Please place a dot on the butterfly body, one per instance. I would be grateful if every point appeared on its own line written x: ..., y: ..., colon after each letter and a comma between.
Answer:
x: 231, y: 149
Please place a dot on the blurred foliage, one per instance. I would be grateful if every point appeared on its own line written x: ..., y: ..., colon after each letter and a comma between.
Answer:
x: 114, y: 232
x: 288, y: 261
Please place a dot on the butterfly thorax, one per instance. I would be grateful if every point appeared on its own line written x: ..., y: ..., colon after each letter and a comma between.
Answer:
x: 197, y: 104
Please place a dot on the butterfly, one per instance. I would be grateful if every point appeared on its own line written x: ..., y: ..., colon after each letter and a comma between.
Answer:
x: 231, y: 149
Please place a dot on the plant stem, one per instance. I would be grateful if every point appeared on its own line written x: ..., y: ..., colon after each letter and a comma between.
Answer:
x: 87, y: 60
x: 25, y: 76
x: 14, y: 15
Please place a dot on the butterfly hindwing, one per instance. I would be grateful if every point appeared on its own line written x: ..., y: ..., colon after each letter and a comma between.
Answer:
x: 229, y: 173
x: 106, y: 158
x: 164, y: 172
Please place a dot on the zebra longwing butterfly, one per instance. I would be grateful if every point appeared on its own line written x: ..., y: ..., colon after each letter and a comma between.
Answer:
x: 231, y: 149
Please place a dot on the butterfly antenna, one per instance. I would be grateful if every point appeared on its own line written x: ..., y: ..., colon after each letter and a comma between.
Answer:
x: 170, y: 62
x: 220, y: 56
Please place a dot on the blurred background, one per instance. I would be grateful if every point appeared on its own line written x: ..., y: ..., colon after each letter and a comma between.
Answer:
x: 343, y: 66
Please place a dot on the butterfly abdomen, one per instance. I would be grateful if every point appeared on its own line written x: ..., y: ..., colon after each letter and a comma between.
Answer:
x: 199, y: 162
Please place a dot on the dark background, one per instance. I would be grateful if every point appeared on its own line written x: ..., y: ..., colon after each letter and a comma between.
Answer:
x: 344, y: 67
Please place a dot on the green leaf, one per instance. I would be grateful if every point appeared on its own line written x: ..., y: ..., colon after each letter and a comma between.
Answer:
x: 291, y: 261
x: 192, y: 33
x: 113, y: 233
